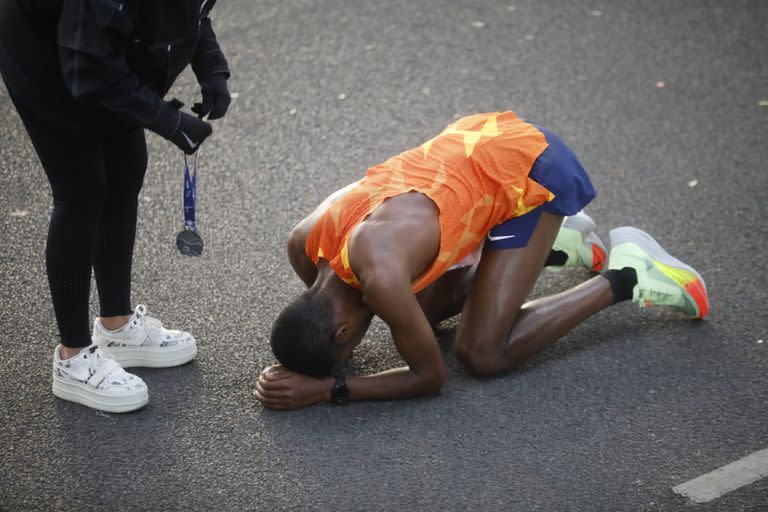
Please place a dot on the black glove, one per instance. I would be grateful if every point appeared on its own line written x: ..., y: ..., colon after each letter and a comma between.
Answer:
x: 216, y: 98
x: 190, y: 133
x: 184, y: 130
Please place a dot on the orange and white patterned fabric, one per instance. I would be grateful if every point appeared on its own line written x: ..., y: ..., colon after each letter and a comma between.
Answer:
x: 476, y: 172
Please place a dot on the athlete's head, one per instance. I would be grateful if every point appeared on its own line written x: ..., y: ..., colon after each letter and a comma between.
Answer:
x: 317, y: 332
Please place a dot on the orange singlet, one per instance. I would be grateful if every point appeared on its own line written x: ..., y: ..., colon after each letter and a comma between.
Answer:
x: 476, y: 172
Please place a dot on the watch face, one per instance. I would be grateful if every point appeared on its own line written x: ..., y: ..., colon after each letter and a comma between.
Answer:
x: 189, y: 242
x: 340, y: 392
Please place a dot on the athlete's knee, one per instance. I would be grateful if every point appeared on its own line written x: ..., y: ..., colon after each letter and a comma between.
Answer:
x: 478, y: 363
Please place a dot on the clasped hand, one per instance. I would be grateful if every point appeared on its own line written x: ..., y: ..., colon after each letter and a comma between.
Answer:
x: 279, y: 388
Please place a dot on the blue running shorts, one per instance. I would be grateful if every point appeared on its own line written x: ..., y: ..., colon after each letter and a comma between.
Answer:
x: 557, y: 169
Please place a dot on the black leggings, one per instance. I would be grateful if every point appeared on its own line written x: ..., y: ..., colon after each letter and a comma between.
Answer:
x: 96, y: 167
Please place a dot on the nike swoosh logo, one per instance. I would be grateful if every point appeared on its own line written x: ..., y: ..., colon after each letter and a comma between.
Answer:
x: 502, y: 237
x: 189, y: 141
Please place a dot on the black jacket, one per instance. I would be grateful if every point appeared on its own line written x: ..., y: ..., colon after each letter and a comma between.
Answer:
x: 125, y: 54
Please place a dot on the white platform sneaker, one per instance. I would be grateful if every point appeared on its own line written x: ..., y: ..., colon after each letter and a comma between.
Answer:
x: 92, y: 379
x: 143, y: 341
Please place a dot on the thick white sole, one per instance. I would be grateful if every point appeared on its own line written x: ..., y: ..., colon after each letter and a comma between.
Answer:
x: 152, y: 357
x: 85, y: 395
x: 642, y: 239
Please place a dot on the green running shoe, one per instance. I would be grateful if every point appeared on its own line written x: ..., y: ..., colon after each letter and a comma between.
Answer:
x: 577, y: 239
x: 662, y: 280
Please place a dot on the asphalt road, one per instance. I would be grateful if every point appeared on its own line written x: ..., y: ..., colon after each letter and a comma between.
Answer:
x: 624, y: 408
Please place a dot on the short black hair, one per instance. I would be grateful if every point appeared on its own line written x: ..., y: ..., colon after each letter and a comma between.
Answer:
x: 302, y: 337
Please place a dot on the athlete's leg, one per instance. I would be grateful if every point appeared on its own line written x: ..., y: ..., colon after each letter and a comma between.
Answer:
x: 126, y: 163
x: 497, y: 332
x: 575, y: 246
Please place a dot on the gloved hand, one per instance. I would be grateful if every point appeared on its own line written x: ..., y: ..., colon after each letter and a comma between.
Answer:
x: 216, y: 98
x: 184, y: 130
x: 190, y: 133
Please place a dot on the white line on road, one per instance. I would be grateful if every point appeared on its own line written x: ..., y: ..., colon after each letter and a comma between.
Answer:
x: 723, y: 480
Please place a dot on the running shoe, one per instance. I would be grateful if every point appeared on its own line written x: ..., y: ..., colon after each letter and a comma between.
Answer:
x: 578, y: 239
x: 143, y: 341
x: 662, y: 280
x: 94, y: 380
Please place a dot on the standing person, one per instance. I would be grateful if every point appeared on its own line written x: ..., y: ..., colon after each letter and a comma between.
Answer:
x: 400, y: 242
x: 87, y: 77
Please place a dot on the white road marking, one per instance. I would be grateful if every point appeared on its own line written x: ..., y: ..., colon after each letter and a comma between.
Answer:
x: 728, y: 478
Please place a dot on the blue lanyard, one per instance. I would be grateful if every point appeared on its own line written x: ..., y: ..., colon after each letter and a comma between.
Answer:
x: 190, y: 192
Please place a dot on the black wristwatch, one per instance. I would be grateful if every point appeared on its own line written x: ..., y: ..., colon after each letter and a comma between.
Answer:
x: 340, y: 393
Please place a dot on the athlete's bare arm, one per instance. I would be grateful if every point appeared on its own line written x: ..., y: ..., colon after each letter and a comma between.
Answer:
x: 385, y: 280
x: 388, y: 251
x: 297, y: 256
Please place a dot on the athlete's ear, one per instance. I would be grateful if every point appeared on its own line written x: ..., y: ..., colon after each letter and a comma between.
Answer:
x: 341, y: 333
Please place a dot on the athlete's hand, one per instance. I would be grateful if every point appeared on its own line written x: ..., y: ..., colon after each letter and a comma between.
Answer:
x: 278, y: 388
x: 216, y: 98
x: 190, y: 133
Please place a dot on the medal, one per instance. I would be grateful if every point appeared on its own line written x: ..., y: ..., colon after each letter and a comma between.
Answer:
x: 189, y: 241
